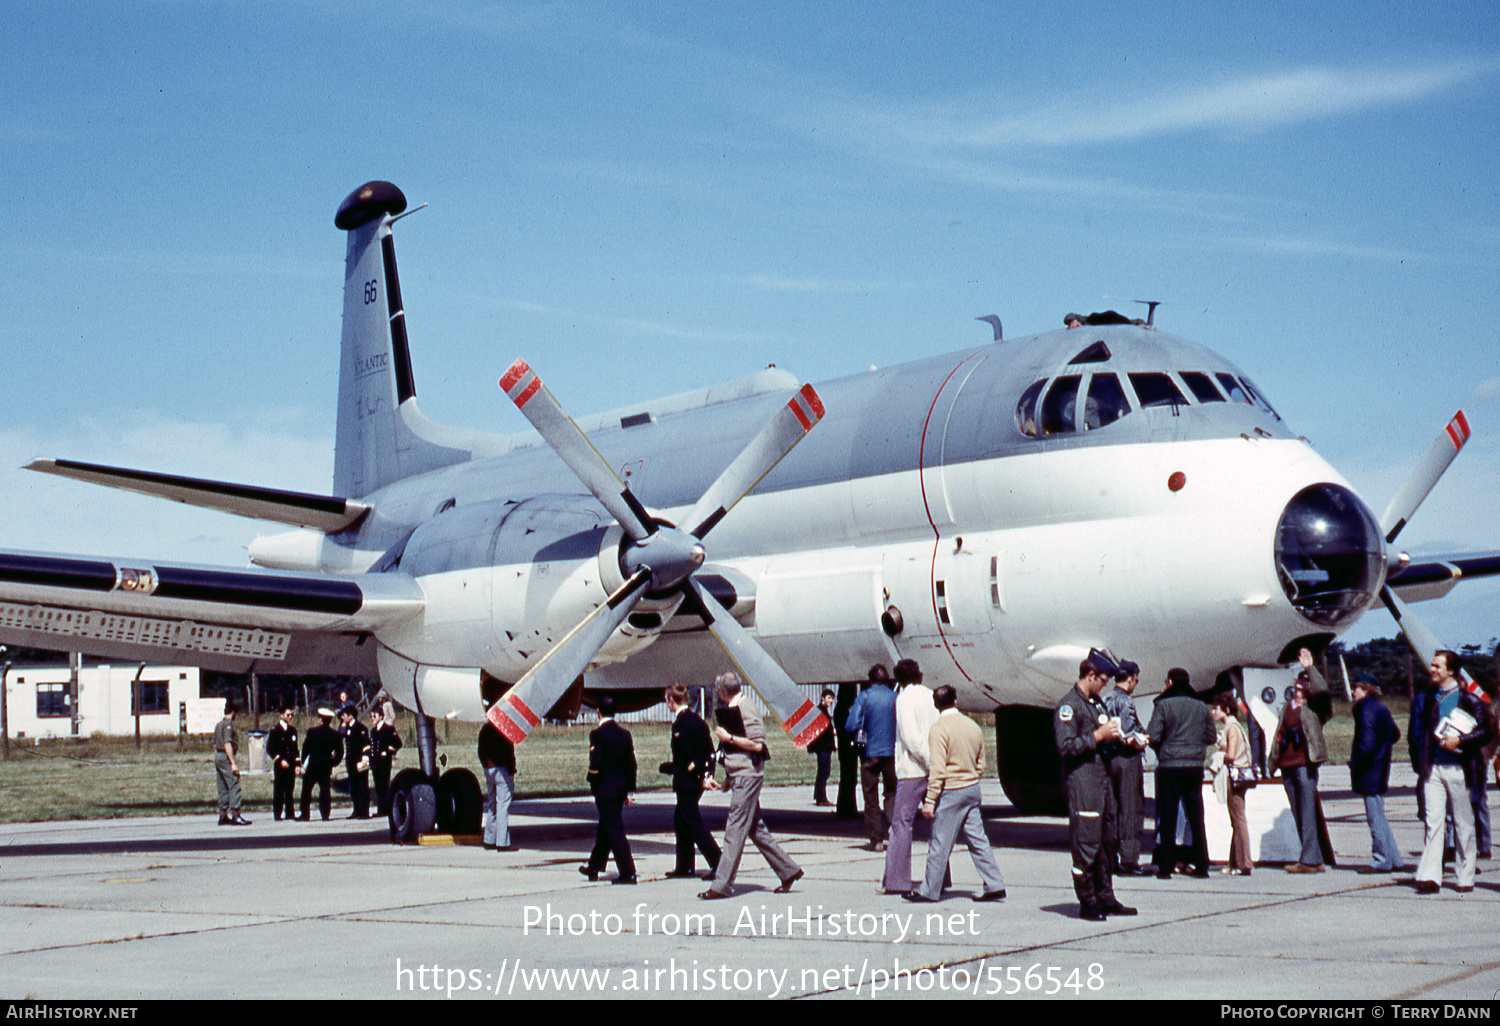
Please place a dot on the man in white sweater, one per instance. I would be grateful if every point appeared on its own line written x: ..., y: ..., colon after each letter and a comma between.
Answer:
x: 955, y: 753
x: 915, y: 715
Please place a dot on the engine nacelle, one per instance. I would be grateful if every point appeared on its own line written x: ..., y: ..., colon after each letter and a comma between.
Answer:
x: 504, y: 581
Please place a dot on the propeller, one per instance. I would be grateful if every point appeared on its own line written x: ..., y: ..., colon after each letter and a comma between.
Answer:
x: 658, y: 559
x: 1423, y: 478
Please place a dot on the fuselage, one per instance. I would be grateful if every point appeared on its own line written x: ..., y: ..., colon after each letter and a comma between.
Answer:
x: 992, y: 513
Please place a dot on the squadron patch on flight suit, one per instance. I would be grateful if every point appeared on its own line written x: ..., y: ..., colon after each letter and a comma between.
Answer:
x: 1065, y: 713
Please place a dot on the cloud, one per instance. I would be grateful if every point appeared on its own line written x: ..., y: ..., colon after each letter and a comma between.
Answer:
x: 777, y: 283
x: 1251, y: 103
x: 1487, y: 391
x: 633, y: 325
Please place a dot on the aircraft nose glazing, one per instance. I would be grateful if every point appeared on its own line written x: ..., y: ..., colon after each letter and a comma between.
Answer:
x: 1330, y: 558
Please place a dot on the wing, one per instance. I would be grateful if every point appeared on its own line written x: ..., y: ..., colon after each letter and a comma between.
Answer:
x: 1431, y: 577
x: 217, y: 618
x: 322, y: 512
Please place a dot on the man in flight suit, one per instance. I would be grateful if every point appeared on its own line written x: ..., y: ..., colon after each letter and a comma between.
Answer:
x: 1126, y: 777
x: 1080, y: 726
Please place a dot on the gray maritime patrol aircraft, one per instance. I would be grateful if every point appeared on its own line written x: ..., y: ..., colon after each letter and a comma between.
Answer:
x: 993, y: 513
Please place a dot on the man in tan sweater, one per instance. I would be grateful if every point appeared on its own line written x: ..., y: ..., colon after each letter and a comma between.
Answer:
x: 955, y: 749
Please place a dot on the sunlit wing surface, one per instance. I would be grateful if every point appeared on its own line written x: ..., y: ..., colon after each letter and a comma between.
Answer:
x: 1432, y: 577
x: 320, y: 512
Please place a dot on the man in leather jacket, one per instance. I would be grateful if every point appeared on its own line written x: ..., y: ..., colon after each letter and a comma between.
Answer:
x: 1446, y: 764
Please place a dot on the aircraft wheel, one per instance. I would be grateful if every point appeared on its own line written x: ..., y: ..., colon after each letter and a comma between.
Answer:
x: 413, y: 806
x: 460, y: 802
x: 1029, y: 768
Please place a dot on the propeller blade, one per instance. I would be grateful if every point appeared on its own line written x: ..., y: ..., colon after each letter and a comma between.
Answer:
x: 799, y: 717
x: 1422, y: 640
x: 558, y: 430
x: 522, y: 707
x: 1424, y: 476
x: 788, y: 427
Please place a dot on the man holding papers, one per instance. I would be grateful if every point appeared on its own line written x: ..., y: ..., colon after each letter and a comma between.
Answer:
x: 1454, y: 728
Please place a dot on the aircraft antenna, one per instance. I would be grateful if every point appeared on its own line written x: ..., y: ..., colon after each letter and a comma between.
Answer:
x: 410, y: 212
x: 1151, y: 308
x: 994, y: 322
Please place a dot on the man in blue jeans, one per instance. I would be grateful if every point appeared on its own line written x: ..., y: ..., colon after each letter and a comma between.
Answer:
x: 1375, y: 733
x: 874, y: 712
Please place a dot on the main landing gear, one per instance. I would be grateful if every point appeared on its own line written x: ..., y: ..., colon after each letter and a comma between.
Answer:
x: 423, y: 802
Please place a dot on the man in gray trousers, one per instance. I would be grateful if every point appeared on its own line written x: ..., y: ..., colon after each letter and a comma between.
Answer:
x: 955, y: 766
x: 742, y: 738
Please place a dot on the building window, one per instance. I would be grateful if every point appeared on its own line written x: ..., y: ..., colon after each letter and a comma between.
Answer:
x: 52, y: 700
x: 153, y: 699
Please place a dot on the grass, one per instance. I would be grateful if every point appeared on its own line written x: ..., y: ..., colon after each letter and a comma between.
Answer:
x: 107, y: 778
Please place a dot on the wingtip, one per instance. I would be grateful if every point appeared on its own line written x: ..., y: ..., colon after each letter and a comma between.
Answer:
x: 814, y: 401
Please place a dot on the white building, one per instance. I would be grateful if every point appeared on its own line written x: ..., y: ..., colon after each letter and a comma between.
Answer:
x: 38, y: 703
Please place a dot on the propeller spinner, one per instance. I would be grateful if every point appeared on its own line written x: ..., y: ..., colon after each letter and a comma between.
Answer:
x: 658, y: 559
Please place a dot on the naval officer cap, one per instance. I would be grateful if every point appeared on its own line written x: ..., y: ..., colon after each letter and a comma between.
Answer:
x: 1102, y: 663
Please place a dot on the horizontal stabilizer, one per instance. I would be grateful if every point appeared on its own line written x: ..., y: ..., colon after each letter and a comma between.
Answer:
x: 328, y: 514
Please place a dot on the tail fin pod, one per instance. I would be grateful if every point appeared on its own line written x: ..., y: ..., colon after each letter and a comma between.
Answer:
x: 381, y: 436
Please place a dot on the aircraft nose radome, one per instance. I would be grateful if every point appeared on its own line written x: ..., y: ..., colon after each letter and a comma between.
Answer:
x: 1330, y: 557
x: 368, y: 202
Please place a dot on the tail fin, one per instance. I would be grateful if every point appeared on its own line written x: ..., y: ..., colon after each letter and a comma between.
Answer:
x: 381, y: 435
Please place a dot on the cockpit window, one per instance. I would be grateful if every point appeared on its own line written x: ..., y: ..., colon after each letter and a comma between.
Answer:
x: 1259, y: 399
x: 1156, y: 390
x: 1057, y: 409
x: 1096, y: 353
x: 1106, y: 402
x: 1236, y: 392
x: 1026, y: 410
x: 1202, y: 386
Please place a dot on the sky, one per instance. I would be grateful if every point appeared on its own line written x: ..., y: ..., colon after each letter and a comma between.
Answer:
x: 642, y: 199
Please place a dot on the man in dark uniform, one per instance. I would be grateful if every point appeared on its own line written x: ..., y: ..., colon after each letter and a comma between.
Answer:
x: 321, y: 751
x: 823, y: 747
x: 385, y: 742
x: 357, y: 762
x: 281, y: 749
x: 692, y: 757
x: 1080, y: 726
x: 1126, y: 774
x: 611, y: 777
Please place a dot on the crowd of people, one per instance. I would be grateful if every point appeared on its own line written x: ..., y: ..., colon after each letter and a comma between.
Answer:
x: 921, y: 762
x: 1099, y: 739
x: 364, y: 752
